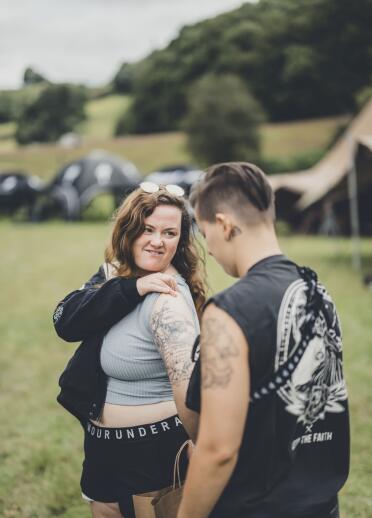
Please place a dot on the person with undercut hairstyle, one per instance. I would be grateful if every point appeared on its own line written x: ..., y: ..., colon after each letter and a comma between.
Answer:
x: 273, y: 438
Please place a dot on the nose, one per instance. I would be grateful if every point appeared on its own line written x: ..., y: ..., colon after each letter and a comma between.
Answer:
x: 156, y: 241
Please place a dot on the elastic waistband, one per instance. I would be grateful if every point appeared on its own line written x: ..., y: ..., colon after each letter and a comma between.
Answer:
x: 133, y: 433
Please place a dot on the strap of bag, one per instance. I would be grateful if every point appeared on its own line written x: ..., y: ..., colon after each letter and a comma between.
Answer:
x: 313, y: 306
x: 176, y: 469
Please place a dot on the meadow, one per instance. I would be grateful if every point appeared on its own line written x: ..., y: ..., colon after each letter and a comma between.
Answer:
x: 41, y: 444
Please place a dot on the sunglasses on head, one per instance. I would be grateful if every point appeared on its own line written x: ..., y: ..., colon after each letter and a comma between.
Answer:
x: 151, y: 188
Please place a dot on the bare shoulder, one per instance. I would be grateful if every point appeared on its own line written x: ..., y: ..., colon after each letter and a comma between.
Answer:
x: 222, y: 345
x: 171, y: 317
x: 173, y: 304
x: 215, y: 318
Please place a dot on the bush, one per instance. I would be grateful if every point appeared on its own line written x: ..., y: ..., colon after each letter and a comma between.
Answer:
x: 6, y: 107
x: 31, y: 77
x: 222, y: 120
x: 57, y: 110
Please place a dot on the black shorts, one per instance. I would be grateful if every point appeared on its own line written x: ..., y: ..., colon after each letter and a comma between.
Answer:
x: 120, y: 462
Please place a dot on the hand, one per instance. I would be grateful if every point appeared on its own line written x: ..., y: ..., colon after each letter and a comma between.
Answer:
x: 157, y: 282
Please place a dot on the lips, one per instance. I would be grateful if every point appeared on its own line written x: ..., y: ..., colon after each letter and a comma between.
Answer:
x: 154, y: 253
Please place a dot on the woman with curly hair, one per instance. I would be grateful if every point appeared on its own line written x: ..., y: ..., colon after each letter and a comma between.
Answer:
x: 144, y: 357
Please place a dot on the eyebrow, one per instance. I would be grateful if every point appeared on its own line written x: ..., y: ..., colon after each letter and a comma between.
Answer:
x: 169, y: 228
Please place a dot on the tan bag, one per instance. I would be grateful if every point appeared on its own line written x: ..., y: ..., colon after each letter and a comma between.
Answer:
x: 163, y: 503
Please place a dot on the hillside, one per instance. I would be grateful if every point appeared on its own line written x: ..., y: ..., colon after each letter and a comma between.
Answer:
x: 279, y: 141
x: 284, y: 50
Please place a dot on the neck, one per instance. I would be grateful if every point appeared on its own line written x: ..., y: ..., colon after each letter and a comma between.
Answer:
x: 170, y: 270
x: 261, y: 244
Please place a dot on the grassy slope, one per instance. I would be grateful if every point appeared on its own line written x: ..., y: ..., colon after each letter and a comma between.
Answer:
x: 151, y: 151
x: 284, y: 139
x: 147, y: 152
x: 102, y: 115
x: 40, y: 444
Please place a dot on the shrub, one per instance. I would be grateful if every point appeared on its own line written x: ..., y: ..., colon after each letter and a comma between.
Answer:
x: 57, y: 110
x: 222, y: 120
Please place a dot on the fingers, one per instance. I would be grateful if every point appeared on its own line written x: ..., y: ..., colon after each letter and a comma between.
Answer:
x: 157, y: 282
x: 165, y: 289
x: 168, y: 279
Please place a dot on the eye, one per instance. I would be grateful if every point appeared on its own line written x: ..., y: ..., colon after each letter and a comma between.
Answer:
x: 170, y: 233
x: 147, y: 230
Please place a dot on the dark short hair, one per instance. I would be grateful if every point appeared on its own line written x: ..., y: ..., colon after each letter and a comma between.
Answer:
x: 239, y: 186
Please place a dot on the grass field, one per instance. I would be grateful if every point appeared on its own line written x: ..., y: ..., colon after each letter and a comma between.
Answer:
x: 41, y: 445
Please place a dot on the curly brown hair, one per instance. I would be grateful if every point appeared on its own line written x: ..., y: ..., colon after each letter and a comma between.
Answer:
x: 129, y: 225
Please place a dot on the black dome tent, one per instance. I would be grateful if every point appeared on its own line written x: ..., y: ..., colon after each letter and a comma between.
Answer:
x: 79, y: 182
x: 18, y: 190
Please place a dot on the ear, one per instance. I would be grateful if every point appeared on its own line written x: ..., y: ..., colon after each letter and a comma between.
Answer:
x: 225, y: 223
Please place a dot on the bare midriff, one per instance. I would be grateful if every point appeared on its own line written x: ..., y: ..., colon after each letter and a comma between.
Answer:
x: 120, y: 416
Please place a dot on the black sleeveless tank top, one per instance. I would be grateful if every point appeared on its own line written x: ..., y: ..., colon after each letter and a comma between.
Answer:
x: 294, y: 456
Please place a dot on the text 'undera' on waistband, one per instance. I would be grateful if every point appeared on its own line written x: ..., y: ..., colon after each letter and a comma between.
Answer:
x: 134, y: 432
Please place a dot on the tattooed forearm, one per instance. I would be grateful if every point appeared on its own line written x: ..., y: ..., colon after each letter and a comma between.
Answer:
x: 217, y: 347
x: 174, y: 335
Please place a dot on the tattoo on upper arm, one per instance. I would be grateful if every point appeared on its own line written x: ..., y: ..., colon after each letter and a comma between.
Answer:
x: 174, y: 335
x: 217, y: 348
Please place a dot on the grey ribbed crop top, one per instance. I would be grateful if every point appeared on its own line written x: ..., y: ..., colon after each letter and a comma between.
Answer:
x: 131, y: 360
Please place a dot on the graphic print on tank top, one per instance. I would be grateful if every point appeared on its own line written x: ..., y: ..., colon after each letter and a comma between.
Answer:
x: 317, y: 384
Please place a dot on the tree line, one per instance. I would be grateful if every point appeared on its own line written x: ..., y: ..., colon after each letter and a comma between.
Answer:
x: 298, y: 58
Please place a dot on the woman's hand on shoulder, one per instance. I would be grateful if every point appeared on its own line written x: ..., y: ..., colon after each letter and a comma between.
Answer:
x: 157, y: 282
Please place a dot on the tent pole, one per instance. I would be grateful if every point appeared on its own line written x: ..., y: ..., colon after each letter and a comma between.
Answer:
x: 354, y: 209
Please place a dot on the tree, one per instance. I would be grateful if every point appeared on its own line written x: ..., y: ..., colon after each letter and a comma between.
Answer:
x: 31, y: 77
x: 57, y: 110
x: 222, y: 120
x: 123, y: 80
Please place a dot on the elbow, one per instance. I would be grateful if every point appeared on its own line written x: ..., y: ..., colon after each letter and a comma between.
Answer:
x: 221, y: 455
x: 65, y: 334
x: 225, y: 457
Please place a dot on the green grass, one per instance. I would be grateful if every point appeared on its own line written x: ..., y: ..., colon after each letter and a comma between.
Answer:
x: 41, y: 445
x: 7, y: 142
x: 102, y: 115
x: 288, y: 139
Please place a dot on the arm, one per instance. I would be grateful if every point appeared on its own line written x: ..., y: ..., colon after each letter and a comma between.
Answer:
x: 174, y: 333
x: 95, y: 308
x: 225, y: 387
x: 100, y: 303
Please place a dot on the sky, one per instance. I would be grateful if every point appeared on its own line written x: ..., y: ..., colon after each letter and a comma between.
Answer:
x: 86, y: 40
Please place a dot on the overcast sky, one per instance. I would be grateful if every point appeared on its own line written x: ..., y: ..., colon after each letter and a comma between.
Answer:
x: 86, y: 40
